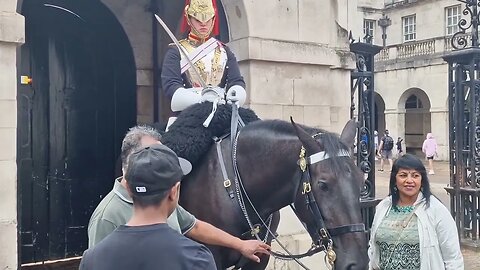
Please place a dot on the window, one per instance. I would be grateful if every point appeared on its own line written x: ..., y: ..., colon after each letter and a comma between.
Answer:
x: 409, y: 24
x: 413, y: 102
x: 369, y: 30
x: 452, y: 16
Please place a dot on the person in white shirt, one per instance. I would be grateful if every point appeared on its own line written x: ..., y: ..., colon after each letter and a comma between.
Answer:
x: 412, y: 229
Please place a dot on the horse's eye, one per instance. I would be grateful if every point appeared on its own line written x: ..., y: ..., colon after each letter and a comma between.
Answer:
x: 323, y: 185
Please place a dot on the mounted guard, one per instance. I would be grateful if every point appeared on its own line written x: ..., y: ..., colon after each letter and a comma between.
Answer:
x: 215, y: 68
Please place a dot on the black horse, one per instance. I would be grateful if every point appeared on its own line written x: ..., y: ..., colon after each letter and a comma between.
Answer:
x: 325, y: 195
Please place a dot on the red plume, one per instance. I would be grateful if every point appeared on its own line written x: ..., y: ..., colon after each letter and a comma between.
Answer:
x: 185, y: 27
x: 216, y: 27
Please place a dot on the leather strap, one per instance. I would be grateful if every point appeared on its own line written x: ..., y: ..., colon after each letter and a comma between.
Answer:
x: 226, y: 182
x: 347, y: 229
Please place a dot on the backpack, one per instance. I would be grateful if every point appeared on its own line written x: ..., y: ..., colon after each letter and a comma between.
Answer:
x: 388, y: 143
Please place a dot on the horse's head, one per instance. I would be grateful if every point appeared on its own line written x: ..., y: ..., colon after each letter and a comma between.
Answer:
x: 328, y: 200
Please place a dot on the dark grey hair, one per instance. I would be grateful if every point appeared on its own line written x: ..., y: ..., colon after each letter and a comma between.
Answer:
x: 133, y: 139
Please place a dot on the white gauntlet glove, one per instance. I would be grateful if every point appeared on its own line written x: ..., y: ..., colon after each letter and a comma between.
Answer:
x: 185, y: 97
x: 213, y: 93
x: 238, y: 94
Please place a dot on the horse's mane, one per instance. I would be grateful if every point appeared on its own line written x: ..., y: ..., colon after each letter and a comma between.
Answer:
x: 187, y: 136
x: 330, y: 141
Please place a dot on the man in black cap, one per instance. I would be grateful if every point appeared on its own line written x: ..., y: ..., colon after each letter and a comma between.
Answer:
x: 146, y: 241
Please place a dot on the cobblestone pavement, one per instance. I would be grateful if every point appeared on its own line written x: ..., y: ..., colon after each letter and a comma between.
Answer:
x: 437, y: 182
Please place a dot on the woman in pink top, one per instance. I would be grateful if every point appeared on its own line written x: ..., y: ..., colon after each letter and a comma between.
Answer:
x: 430, y: 149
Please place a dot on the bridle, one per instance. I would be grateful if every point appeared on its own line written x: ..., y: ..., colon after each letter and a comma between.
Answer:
x: 321, y: 235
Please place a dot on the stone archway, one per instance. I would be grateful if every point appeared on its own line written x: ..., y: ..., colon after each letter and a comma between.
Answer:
x: 415, y: 104
x: 71, y: 121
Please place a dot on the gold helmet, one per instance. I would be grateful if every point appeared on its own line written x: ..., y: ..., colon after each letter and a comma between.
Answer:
x: 202, y: 10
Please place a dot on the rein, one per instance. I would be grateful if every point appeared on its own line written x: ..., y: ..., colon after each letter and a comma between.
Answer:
x: 321, y: 236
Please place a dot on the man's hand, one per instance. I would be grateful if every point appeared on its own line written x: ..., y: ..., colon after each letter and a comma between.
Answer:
x: 249, y: 249
x: 208, y: 234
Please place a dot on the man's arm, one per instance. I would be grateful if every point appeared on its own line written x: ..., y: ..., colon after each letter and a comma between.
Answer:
x: 208, y: 234
x: 234, y: 77
x: 98, y: 230
x: 171, y: 72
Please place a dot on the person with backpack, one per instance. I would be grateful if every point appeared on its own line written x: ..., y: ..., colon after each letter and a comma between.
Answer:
x: 385, y: 150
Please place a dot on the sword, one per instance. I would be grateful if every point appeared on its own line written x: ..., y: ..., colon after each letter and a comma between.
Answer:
x: 64, y: 9
x: 174, y: 39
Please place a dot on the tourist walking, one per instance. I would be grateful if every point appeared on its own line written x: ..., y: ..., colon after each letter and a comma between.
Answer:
x: 430, y: 149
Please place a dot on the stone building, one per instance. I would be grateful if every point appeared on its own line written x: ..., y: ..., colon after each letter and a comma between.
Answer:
x: 410, y: 75
x: 76, y: 74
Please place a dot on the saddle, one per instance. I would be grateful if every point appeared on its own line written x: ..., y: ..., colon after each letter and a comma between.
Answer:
x: 190, y: 139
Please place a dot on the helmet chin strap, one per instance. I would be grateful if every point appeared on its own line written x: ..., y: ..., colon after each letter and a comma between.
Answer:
x: 197, y: 33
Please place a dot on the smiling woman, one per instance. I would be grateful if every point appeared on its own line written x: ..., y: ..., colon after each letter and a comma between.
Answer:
x: 412, y: 229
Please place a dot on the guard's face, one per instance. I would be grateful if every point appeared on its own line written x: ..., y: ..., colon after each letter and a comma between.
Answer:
x: 202, y: 28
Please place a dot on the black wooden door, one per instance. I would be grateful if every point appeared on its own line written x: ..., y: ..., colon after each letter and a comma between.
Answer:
x: 70, y: 123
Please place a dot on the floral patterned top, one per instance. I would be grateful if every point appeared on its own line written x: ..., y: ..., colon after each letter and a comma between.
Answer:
x: 398, y: 240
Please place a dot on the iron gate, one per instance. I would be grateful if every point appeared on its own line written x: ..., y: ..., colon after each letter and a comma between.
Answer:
x: 362, y: 106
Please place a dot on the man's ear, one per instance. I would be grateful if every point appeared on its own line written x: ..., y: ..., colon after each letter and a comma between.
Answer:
x: 174, y: 192
x: 128, y: 189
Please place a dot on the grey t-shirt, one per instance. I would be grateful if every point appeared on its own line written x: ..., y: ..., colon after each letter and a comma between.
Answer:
x: 117, y: 208
x: 149, y: 247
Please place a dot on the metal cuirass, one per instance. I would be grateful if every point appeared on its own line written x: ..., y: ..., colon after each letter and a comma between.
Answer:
x: 211, y: 66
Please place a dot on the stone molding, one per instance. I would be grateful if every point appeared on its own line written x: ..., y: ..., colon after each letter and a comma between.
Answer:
x: 255, y: 48
x: 12, y: 28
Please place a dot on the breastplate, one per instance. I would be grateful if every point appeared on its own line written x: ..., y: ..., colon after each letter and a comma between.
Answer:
x: 211, y: 67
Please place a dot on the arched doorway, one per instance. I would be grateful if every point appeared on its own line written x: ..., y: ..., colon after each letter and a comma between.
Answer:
x: 71, y: 120
x: 417, y: 118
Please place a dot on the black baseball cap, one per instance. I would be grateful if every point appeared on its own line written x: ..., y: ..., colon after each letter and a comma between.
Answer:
x: 154, y: 169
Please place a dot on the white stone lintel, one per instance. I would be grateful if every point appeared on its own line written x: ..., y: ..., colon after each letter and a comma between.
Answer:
x: 12, y: 28
x: 254, y: 48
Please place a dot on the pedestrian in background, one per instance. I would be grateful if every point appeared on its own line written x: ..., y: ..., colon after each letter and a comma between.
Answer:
x: 430, y: 149
x: 399, y: 147
x: 385, y: 150
x: 411, y: 228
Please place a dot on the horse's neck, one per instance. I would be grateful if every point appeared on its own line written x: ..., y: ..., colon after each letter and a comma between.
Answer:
x: 271, y: 178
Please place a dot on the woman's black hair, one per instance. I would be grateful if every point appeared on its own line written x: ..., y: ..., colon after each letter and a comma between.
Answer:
x: 411, y: 162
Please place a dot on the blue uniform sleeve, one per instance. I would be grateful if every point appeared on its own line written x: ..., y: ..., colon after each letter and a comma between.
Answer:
x: 171, y: 73
x: 233, y: 71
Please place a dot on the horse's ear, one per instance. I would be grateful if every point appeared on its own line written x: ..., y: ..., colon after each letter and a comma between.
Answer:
x: 348, y: 133
x: 307, y: 140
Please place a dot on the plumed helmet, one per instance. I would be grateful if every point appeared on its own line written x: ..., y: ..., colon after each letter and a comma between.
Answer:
x: 202, y: 10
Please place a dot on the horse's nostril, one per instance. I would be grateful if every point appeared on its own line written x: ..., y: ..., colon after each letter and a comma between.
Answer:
x: 354, y: 266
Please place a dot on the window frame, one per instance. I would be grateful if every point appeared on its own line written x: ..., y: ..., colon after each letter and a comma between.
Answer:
x: 454, y: 26
x: 409, y: 28
x: 366, y: 26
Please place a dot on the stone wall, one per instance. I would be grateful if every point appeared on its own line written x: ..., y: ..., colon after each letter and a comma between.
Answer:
x: 11, y: 35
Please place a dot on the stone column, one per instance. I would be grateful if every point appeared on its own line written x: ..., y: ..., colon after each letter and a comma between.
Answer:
x: 11, y: 35
x: 439, y: 122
